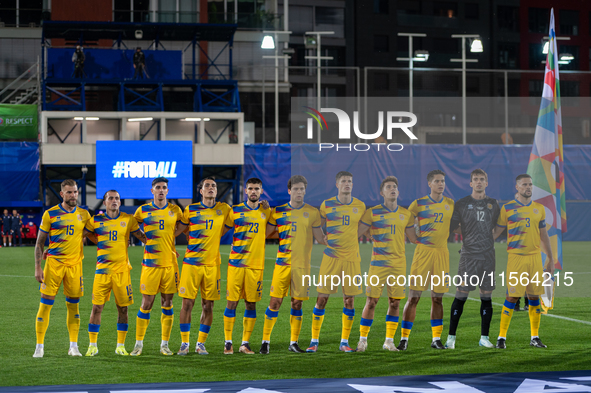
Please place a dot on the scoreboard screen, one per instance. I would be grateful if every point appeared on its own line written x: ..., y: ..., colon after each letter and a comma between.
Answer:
x: 130, y: 166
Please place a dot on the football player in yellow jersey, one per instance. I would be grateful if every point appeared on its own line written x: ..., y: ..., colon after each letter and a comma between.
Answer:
x: 163, y: 222
x: 387, y: 223
x: 341, y: 259
x: 525, y: 222
x: 201, y: 265
x: 112, y: 229
x: 64, y: 224
x: 297, y: 223
x: 430, y: 263
x: 246, y: 263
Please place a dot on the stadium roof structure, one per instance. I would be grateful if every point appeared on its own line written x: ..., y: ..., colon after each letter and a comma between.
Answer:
x: 81, y: 31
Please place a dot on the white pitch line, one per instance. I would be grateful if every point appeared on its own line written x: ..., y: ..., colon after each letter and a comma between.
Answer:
x: 548, y: 315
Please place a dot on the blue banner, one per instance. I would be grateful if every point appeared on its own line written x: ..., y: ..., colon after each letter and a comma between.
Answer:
x: 115, y: 64
x: 19, y: 171
x: 130, y: 166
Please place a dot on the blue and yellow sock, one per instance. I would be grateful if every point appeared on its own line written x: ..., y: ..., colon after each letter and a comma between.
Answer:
x: 317, y: 319
x: 436, y: 328
x: 295, y: 321
x: 185, y: 332
x: 391, y: 326
x: 141, y: 325
x: 42, y: 321
x: 270, y: 319
x: 166, y: 320
x: 347, y: 319
x: 73, y: 318
x: 405, y: 329
x: 93, y: 331
x: 506, y: 315
x: 250, y: 317
x: 535, y: 316
x: 203, y: 333
x: 364, y: 327
x: 122, y: 333
x: 229, y: 319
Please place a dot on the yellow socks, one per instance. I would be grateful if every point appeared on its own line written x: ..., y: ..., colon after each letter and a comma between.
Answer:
x: 121, y: 333
x: 317, y: 319
x: 270, y: 319
x: 93, y: 331
x: 405, y: 329
x: 364, y: 327
x: 295, y: 321
x: 436, y: 328
x: 391, y: 326
x: 73, y: 318
x: 185, y: 332
x: 203, y: 333
x: 534, y: 317
x: 166, y: 320
x: 43, y: 319
x: 229, y: 319
x: 250, y: 317
x: 143, y: 320
x: 506, y: 315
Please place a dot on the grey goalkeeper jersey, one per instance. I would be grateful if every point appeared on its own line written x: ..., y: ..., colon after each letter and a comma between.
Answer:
x: 477, y: 218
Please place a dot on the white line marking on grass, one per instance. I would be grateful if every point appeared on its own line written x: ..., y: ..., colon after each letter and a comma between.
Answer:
x: 548, y: 315
x: 8, y: 275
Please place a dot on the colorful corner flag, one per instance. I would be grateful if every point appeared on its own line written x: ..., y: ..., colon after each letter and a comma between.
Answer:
x: 546, y: 159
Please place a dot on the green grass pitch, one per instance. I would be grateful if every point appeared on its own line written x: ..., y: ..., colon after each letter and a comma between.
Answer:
x: 567, y: 340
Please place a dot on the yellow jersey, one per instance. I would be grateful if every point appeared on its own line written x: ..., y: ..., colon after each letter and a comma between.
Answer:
x: 295, y: 234
x: 206, y: 225
x: 523, y: 223
x: 159, y: 226
x: 113, y: 239
x: 342, y: 222
x: 387, y: 229
x: 65, y: 231
x: 434, y: 220
x: 250, y: 232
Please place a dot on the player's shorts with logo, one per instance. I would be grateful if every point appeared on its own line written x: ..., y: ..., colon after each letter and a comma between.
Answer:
x: 336, y: 267
x: 204, y: 279
x: 244, y: 283
x: 156, y: 280
x: 55, y: 273
x: 119, y: 283
x: 428, y: 262
x: 529, y: 266
x: 479, y: 272
x: 393, y: 279
x: 287, y: 279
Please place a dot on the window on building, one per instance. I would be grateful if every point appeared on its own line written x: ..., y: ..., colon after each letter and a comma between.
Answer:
x: 569, y: 88
x: 446, y: 9
x: 508, y: 55
x: 380, y: 6
x: 141, y: 10
x: 8, y: 12
x: 569, y: 22
x: 301, y: 18
x: 381, y: 81
x: 571, y: 50
x: 447, y: 45
x: 381, y: 43
x: 536, y: 87
x: 508, y: 18
x: 29, y: 12
x: 539, y: 18
x: 536, y: 57
x: 122, y: 11
x: 330, y: 19
x: 471, y: 10
x: 411, y: 7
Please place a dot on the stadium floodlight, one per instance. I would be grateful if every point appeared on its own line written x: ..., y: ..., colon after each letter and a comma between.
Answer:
x: 141, y: 119
x: 476, y: 45
x: 191, y: 119
x: 268, y: 42
x: 421, y: 55
x: 88, y: 118
x: 566, y: 57
x: 563, y: 62
x: 546, y: 46
x: 206, y: 119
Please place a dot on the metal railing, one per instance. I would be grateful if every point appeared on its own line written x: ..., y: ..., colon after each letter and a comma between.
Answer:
x: 32, y: 73
x: 23, y: 17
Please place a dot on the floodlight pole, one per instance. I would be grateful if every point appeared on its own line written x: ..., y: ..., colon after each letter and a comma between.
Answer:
x: 276, y: 57
x: 318, y: 59
x: 463, y: 60
x: 410, y: 59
